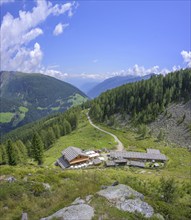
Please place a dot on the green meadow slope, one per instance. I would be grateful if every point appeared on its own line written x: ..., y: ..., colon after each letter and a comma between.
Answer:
x: 27, y: 194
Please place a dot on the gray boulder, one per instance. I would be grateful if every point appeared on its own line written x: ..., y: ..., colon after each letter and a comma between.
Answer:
x: 119, y: 192
x: 127, y: 199
x: 136, y: 205
x: 73, y: 212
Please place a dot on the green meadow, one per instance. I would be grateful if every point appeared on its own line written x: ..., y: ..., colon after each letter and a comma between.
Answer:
x: 27, y: 193
x: 5, y: 117
x: 85, y: 137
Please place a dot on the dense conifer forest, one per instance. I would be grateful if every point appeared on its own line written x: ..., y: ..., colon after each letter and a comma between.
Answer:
x: 143, y: 100
x: 31, y: 140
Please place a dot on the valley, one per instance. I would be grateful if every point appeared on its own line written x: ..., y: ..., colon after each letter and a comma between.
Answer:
x: 95, y: 110
x: 24, y: 99
x: 95, y: 126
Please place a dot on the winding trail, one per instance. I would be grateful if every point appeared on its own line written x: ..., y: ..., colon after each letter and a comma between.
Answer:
x: 119, y: 145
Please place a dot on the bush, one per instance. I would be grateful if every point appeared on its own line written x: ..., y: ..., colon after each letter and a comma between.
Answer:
x: 168, y: 188
x: 37, y: 189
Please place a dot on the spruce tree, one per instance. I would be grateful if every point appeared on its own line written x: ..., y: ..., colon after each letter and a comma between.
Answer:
x: 22, y: 151
x: 12, y: 153
x: 37, y: 148
x: 68, y: 127
x: 50, y: 136
x: 3, y: 155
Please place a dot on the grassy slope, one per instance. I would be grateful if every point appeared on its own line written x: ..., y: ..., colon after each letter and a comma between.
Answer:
x: 5, y: 117
x: 179, y: 158
x: 85, y: 137
x: 68, y: 185
x: 77, y: 99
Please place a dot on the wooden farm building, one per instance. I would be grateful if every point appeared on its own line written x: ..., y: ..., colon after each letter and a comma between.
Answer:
x: 71, y: 156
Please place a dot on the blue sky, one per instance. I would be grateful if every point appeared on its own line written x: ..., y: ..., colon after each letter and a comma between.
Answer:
x: 95, y: 39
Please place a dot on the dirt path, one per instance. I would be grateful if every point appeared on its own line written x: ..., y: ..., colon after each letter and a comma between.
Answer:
x: 119, y: 145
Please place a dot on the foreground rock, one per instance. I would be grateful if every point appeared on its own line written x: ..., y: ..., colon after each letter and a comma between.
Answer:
x: 77, y: 211
x: 127, y: 199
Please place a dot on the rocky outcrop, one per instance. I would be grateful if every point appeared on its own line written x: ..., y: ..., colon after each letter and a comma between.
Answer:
x: 175, y: 123
x: 121, y: 196
x: 127, y: 199
x: 77, y: 211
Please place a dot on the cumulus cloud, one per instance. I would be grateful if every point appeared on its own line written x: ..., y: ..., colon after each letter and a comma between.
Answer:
x: 17, y: 32
x: 136, y: 70
x: 59, y: 28
x: 187, y: 57
x: 6, y: 1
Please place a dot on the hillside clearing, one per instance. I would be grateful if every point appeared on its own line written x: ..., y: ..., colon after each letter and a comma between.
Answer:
x: 5, y: 117
x: 119, y: 145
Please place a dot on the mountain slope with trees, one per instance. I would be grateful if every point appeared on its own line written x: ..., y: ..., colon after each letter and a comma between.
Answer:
x: 28, y: 97
x: 31, y: 140
x: 114, y: 82
x: 144, y: 101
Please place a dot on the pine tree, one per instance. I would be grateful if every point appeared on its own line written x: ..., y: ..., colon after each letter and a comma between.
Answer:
x: 37, y: 148
x: 56, y: 129
x: 3, y: 155
x: 68, y: 127
x: 50, y: 136
x: 12, y: 153
x: 22, y: 151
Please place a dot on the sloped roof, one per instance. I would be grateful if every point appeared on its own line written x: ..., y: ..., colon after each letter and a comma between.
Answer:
x: 136, y: 163
x: 96, y: 161
x: 121, y: 160
x: 153, y: 151
x: 63, y: 163
x: 110, y: 163
x: 137, y: 155
x: 71, y: 153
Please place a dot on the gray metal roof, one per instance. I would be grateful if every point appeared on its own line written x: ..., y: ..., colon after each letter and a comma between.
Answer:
x: 153, y: 151
x: 136, y: 163
x: 121, y: 160
x: 96, y: 161
x: 71, y: 153
x: 63, y: 163
x: 110, y: 163
x: 137, y: 155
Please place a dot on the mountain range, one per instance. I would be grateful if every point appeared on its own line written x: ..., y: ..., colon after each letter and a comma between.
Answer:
x: 114, y: 82
x: 27, y: 97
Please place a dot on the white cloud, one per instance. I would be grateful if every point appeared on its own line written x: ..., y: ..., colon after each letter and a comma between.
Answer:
x: 26, y: 60
x: 34, y: 33
x: 17, y: 32
x: 187, y: 57
x: 59, y: 28
x: 6, y: 1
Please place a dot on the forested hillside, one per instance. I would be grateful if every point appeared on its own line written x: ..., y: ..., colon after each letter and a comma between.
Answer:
x: 31, y: 140
x: 143, y: 101
x: 28, y: 97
